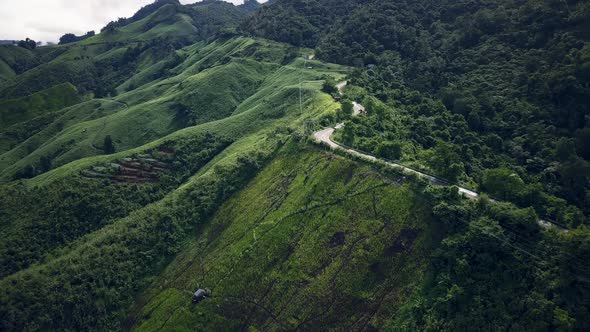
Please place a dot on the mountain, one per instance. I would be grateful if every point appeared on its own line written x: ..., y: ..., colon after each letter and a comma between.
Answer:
x: 174, y: 151
x: 498, y: 68
x: 92, y: 67
x: 250, y: 5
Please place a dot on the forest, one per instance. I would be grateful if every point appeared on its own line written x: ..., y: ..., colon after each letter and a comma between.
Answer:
x: 174, y: 151
x: 472, y: 91
x: 492, y: 95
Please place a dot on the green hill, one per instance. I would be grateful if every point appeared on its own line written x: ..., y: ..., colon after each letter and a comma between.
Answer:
x: 253, y: 134
x: 311, y: 242
x: 487, y: 84
x: 100, y: 63
x: 13, y: 61
x: 173, y: 151
x: 209, y: 85
x: 40, y: 103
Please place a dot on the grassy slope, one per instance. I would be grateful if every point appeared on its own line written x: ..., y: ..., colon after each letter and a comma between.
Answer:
x: 76, y: 62
x: 26, y: 108
x: 272, y: 106
x: 264, y: 110
x: 313, y: 241
x: 27, y: 152
x: 236, y: 90
x: 268, y: 115
x: 165, y: 22
x: 6, y: 72
x: 150, y: 115
x: 9, y: 56
x: 123, y: 255
x: 59, y: 70
x: 212, y: 83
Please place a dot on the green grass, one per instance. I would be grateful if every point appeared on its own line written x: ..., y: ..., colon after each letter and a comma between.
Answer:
x: 122, y: 256
x: 6, y: 72
x: 287, y: 235
x: 9, y: 56
x: 275, y: 248
x: 239, y: 90
x: 78, y: 63
x: 26, y: 108
x: 165, y: 22
x: 29, y: 151
x: 209, y: 85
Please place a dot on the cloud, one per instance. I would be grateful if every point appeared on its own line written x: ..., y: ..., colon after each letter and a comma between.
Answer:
x: 47, y: 20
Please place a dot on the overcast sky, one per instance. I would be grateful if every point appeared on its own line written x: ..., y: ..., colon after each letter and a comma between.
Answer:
x: 47, y: 20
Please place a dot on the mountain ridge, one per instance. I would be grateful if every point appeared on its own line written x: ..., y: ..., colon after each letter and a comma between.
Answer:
x: 173, y: 152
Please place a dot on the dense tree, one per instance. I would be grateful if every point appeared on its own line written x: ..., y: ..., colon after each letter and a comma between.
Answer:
x: 375, y: 107
x: 446, y: 161
x: 108, y: 145
x: 390, y: 150
x: 71, y: 38
x: 68, y: 38
x: 502, y: 183
x: 565, y: 150
x: 583, y: 142
x: 329, y: 86
x: 489, y: 93
x: 45, y: 163
x: 28, y: 44
x: 348, y: 133
x: 491, y: 79
x: 345, y: 111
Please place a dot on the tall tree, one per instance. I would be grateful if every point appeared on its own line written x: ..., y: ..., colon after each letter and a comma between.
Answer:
x: 109, y: 146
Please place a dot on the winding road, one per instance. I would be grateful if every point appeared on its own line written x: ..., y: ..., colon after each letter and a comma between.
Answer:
x: 325, y: 136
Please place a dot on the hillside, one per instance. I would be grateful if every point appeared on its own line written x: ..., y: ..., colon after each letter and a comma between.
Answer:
x: 38, y: 104
x: 101, y: 63
x: 471, y: 89
x: 173, y: 151
x: 312, y: 241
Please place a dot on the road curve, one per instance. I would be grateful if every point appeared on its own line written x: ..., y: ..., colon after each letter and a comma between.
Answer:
x: 325, y: 136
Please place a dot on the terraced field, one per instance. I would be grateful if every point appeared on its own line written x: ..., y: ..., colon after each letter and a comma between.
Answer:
x: 141, y: 168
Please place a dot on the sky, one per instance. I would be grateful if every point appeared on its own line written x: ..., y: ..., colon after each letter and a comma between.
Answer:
x: 47, y: 20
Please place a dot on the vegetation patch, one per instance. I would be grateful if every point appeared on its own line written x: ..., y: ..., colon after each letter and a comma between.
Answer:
x: 300, y: 247
x: 142, y: 168
x: 38, y: 104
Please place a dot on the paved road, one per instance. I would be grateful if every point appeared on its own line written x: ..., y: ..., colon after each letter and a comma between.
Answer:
x: 340, y: 86
x: 325, y: 136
